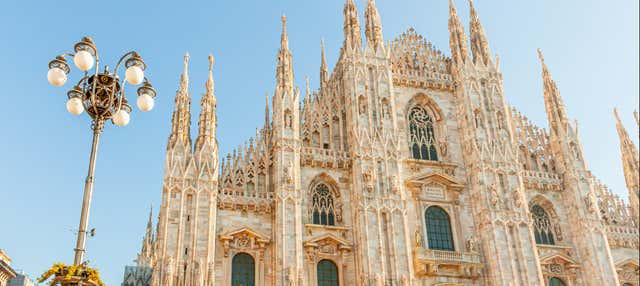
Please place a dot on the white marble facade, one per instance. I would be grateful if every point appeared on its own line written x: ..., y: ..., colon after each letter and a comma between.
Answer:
x: 355, y: 185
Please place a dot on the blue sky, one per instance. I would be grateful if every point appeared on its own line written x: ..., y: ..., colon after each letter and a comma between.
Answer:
x: 591, y: 47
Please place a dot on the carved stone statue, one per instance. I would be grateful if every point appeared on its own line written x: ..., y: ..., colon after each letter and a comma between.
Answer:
x: 338, y: 212
x: 419, y: 240
x: 495, y: 199
x: 288, y: 173
x: 517, y: 199
x: 471, y: 244
x: 395, y: 184
x: 591, y: 202
x: 291, y: 276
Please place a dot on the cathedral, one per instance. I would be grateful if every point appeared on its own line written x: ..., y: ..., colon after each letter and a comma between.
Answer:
x: 406, y: 167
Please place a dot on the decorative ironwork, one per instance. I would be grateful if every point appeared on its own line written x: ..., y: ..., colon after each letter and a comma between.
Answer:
x: 101, y: 95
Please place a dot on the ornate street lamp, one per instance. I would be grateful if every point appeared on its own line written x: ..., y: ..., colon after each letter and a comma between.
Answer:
x: 101, y: 95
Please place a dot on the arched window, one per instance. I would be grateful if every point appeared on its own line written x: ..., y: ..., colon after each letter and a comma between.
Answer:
x: 542, y: 228
x: 243, y: 270
x: 627, y: 284
x: 322, y: 205
x: 438, y: 224
x: 422, y: 140
x: 327, y: 273
x: 555, y: 282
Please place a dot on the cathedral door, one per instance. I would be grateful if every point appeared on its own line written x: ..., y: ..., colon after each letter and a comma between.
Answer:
x: 327, y: 273
x: 243, y: 270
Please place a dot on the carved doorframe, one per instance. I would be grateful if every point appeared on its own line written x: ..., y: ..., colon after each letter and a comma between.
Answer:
x: 244, y: 240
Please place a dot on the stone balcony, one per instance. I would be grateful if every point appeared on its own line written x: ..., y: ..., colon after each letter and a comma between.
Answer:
x: 242, y: 199
x: 626, y: 236
x: 325, y: 158
x: 429, y: 262
x: 544, y: 181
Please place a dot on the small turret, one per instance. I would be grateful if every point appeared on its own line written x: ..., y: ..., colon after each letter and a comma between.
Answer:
x: 284, y: 71
x: 324, y: 70
x: 457, y: 37
x: 556, y: 111
x: 373, y: 26
x: 352, y: 32
x: 207, y: 122
x: 479, y: 43
x: 181, y: 120
x: 630, y: 164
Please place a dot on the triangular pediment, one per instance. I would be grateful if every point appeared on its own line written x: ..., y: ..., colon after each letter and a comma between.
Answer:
x: 628, y: 262
x: 245, y: 230
x: 558, y: 258
x: 435, y: 177
x: 327, y: 238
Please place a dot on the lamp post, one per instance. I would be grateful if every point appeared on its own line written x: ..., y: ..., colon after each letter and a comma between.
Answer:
x: 101, y: 95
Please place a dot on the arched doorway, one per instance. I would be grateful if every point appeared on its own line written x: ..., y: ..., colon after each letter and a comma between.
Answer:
x: 327, y: 273
x: 439, y: 233
x: 243, y: 270
x: 555, y: 282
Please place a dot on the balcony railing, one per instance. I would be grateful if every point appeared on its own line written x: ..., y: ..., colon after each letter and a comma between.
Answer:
x: 320, y: 157
x: 447, y: 263
x: 542, y: 180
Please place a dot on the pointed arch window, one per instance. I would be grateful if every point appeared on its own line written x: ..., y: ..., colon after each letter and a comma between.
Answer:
x: 422, y: 140
x: 327, y: 273
x: 243, y: 270
x: 542, y: 226
x: 439, y: 236
x: 322, y: 205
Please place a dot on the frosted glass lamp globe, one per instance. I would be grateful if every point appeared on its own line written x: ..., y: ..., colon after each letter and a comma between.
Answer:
x: 74, y: 106
x: 56, y: 76
x: 134, y: 75
x: 121, y: 118
x: 145, y: 102
x: 83, y: 60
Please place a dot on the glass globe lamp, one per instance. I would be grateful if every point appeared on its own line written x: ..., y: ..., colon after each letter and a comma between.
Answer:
x: 134, y: 75
x: 146, y: 95
x: 83, y: 60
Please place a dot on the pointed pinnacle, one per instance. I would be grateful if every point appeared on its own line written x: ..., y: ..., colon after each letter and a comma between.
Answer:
x: 209, y: 84
x: 284, y: 24
x: 184, y: 78
x: 615, y: 113
x: 210, y: 63
x: 540, y: 56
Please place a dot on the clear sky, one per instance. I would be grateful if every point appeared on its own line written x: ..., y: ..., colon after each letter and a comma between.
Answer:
x: 591, y: 47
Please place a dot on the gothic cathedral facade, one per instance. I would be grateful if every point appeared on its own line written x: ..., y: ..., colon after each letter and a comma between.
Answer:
x: 406, y: 167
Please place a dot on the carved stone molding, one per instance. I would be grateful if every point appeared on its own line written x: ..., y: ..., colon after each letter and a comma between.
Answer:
x: 330, y: 247
x: 628, y: 271
x: 245, y: 240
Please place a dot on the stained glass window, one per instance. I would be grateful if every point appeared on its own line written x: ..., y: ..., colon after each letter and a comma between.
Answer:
x: 327, y: 273
x: 243, y: 270
x: 322, y: 207
x: 542, y: 228
x: 438, y: 224
x: 421, y: 135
